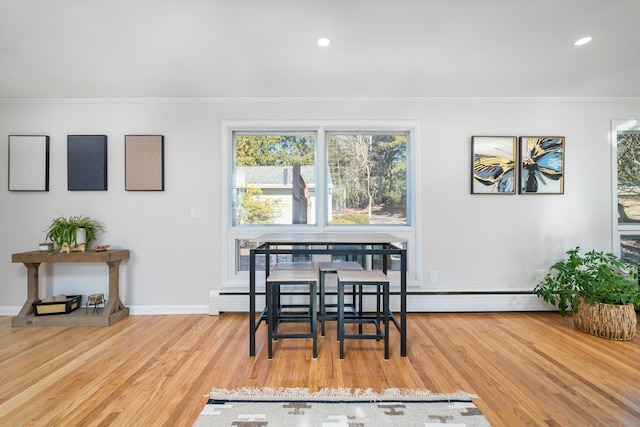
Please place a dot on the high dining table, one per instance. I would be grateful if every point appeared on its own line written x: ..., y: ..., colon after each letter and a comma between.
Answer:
x: 336, y: 244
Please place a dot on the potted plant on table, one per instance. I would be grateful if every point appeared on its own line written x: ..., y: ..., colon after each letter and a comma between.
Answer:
x: 599, y: 289
x: 73, y: 232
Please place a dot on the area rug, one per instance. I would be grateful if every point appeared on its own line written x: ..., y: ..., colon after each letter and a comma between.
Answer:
x: 296, y: 407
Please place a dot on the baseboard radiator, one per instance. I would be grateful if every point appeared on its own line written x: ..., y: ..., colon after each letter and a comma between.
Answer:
x: 234, y: 301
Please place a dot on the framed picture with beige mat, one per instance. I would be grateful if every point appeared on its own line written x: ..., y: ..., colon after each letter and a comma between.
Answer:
x: 144, y: 162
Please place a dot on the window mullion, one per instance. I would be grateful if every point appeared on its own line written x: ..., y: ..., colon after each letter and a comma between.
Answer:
x: 321, y: 179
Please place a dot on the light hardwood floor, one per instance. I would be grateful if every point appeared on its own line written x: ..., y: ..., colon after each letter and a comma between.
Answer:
x: 528, y: 369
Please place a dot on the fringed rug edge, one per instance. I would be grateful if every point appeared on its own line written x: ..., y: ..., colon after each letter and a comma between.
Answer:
x: 336, y: 394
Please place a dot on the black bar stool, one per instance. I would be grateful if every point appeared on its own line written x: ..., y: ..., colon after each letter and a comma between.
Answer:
x: 363, y: 279
x: 332, y: 268
x: 278, y: 313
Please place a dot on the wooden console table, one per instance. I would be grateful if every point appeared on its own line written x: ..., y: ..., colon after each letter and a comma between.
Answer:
x: 114, y: 309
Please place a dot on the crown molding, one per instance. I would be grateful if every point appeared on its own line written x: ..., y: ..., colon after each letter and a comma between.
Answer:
x: 316, y: 100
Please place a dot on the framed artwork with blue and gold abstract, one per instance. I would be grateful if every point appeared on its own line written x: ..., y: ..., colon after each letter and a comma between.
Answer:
x: 493, y: 162
x: 541, y: 165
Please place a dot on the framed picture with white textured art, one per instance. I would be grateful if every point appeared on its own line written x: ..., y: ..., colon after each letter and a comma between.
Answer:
x: 28, y: 163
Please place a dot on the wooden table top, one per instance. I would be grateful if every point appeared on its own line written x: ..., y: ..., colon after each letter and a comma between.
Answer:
x: 87, y: 256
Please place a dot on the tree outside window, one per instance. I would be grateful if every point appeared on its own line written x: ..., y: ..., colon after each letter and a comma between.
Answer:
x: 628, y: 177
x: 628, y: 170
x: 368, y: 173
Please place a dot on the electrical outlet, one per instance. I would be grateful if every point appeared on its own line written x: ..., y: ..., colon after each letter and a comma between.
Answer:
x: 539, y: 275
x: 433, y: 276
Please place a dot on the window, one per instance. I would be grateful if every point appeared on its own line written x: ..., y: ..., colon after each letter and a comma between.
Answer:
x: 367, y: 178
x: 628, y: 143
x: 314, y: 177
x: 273, y: 178
x: 626, y: 146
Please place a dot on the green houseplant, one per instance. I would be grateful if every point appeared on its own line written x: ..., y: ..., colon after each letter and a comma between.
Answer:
x: 63, y: 230
x: 593, y: 284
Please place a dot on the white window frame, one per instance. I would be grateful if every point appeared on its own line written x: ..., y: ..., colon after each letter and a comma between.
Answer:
x: 411, y: 232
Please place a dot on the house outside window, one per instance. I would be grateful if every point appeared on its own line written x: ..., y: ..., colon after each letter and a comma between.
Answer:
x: 273, y: 178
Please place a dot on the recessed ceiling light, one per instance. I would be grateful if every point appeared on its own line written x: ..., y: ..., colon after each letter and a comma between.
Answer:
x: 582, y: 41
x: 323, y: 41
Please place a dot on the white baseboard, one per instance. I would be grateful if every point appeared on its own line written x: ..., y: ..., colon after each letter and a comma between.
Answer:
x: 136, y: 309
x: 10, y: 310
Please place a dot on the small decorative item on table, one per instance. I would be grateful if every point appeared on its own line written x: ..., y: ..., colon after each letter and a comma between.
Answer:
x: 46, y: 247
x: 68, y: 249
x: 94, y: 300
x: 101, y: 248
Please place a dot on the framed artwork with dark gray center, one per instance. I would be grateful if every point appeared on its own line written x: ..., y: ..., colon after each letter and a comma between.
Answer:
x: 86, y: 162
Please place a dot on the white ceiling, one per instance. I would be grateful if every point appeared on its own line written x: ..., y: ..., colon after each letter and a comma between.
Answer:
x: 267, y: 48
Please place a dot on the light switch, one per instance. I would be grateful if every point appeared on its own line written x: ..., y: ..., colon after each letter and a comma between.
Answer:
x: 195, y: 212
x: 433, y: 276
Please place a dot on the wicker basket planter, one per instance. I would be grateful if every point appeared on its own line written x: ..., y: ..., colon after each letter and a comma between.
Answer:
x: 614, y: 322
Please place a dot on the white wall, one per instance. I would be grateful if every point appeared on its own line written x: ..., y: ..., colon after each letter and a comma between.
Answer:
x: 475, y: 242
